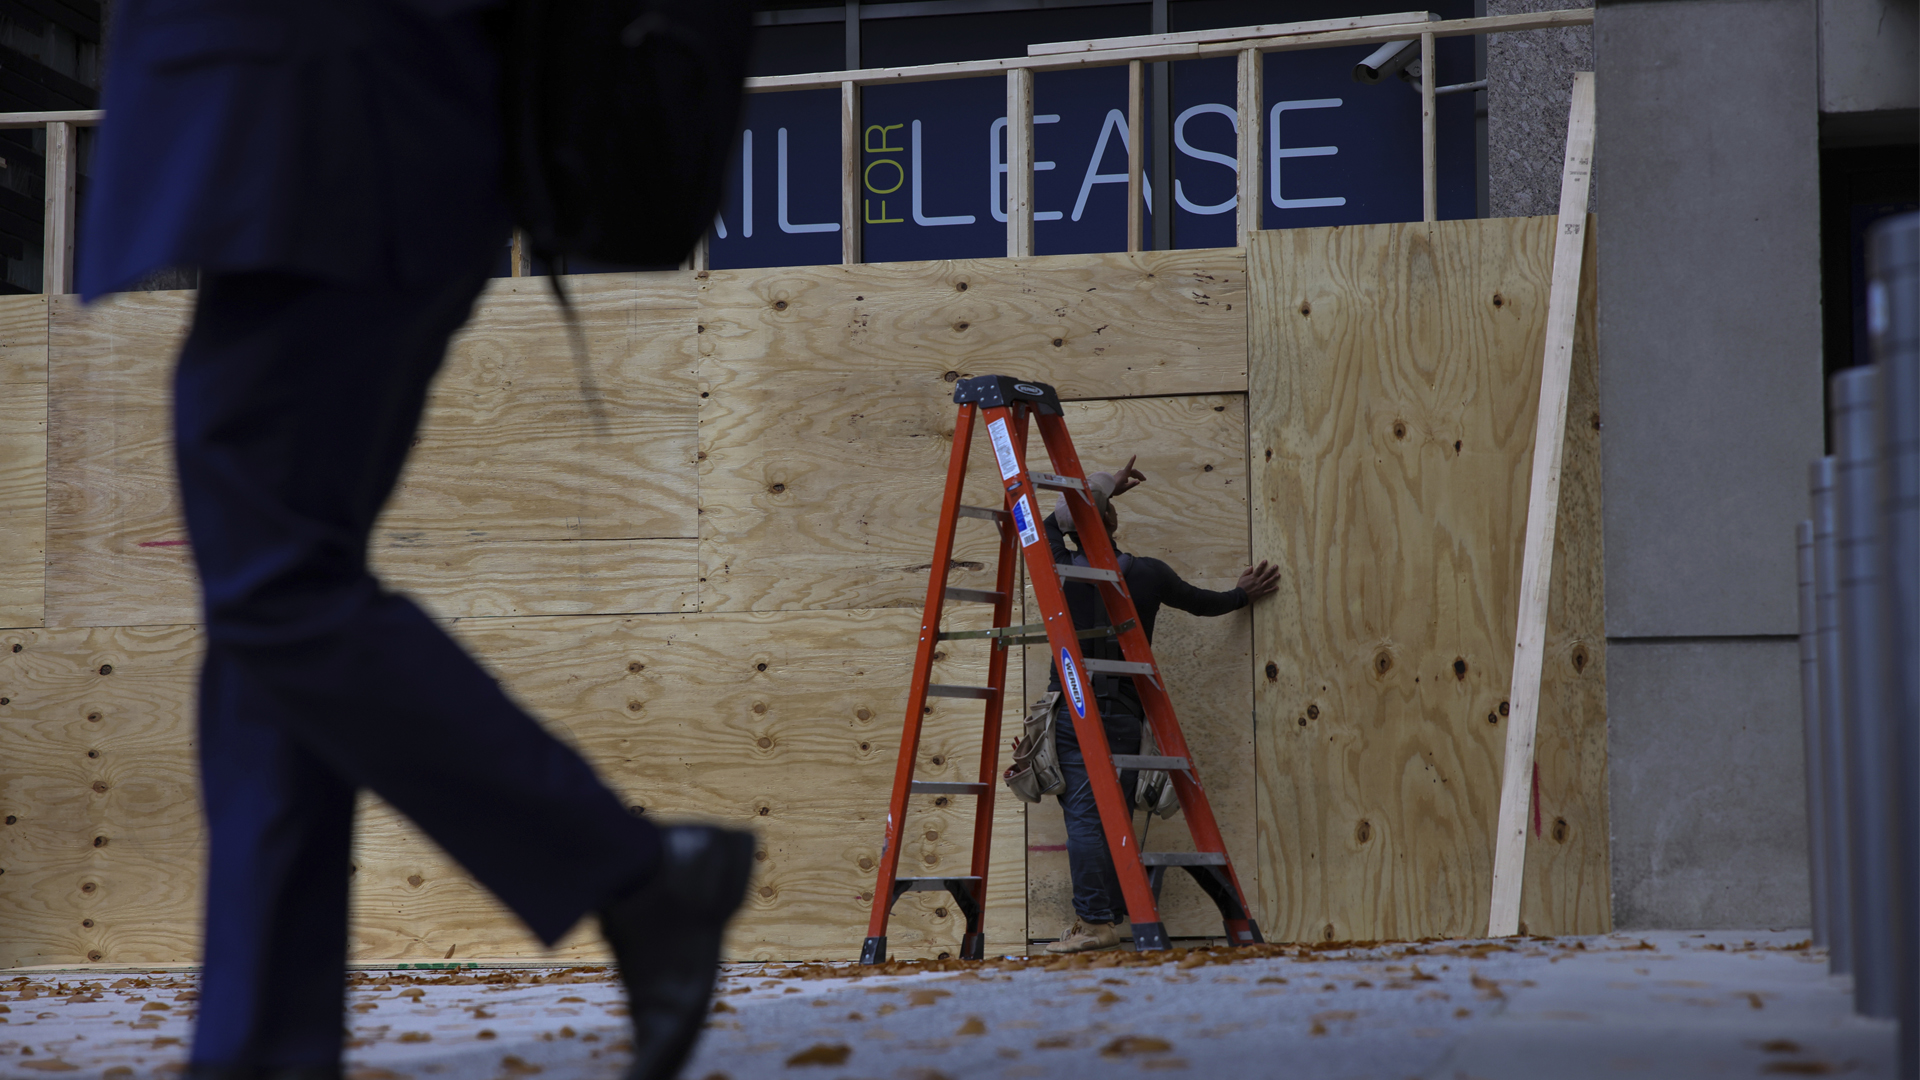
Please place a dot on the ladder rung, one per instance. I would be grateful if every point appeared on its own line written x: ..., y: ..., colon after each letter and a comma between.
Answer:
x: 949, y: 690
x: 945, y: 787
x: 1057, y: 482
x: 1118, y: 667
x: 930, y: 884
x: 974, y: 596
x: 1030, y: 633
x: 1084, y: 573
x: 1150, y: 761
x: 981, y: 512
x: 1182, y: 858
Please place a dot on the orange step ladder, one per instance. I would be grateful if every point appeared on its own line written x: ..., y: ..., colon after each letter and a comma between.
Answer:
x: 1005, y: 407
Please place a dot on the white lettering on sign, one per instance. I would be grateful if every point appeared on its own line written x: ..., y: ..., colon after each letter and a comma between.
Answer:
x: 1023, y: 518
x: 1180, y: 141
x: 1003, y: 449
x: 785, y: 225
x: 920, y: 217
x: 1116, y: 121
x: 1280, y: 152
x: 997, y: 167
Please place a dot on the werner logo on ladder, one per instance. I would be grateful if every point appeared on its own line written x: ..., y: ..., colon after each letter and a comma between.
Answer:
x: 1008, y: 406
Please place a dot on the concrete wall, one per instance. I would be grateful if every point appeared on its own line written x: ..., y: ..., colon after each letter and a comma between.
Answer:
x: 1869, y: 55
x: 1710, y: 396
x: 1529, y: 86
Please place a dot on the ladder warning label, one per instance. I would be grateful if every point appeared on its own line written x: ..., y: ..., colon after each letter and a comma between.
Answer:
x: 1070, y: 678
x: 1003, y: 449
x: 1023, y: 520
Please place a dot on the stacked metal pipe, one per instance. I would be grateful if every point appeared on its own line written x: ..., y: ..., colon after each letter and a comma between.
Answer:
x: 1860, y: 654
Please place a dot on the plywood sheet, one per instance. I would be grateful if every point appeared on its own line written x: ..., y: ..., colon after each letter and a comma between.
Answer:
x: 1096, y: 326
x: 587, y: 516
x: 786, y: 723
x: 1191, y: 513
x: 23, y: 460
x: 101, y: 841
x: 827, y: 414
x: 1395, y: 371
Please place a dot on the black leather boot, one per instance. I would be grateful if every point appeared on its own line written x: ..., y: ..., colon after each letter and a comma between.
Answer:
x: 666, y: 936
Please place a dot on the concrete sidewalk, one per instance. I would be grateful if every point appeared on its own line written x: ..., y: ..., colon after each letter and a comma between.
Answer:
x: 1666, y: 1004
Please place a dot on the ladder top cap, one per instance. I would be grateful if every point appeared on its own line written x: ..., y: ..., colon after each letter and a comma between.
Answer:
x: 999, y: 391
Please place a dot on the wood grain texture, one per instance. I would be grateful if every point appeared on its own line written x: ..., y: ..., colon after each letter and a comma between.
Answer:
x: 23, y: 460
x: 827, y: 421
x: 516, y: 501
x: 116, y: 545
x: 1156, y: 322
x: 101, y: 846
x: 785, y: 723
x: 802, y: 752
x: 1395, y: 375
x: 1192, y: 513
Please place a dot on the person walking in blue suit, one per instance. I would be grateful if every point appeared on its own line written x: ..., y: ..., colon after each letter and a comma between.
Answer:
x: 333, y: 171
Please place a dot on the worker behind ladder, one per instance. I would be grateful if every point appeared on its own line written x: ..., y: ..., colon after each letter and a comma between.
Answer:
x: 1099, y: 910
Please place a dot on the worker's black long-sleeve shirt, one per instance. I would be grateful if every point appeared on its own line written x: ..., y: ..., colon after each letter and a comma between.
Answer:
x: 1150, y: 583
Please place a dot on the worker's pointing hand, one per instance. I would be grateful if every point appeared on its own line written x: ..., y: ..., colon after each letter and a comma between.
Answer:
x: 1259, y: 581
x: 1126, y: 478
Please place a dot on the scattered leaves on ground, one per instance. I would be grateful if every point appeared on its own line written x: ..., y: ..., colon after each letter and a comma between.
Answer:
x: 822, y: 1054
x: 1129, y: 1045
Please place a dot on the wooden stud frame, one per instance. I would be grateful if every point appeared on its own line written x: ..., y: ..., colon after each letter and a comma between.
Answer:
x: 1136, y: 155
x: 851, y: 181
x: 57, y: 263
x: 1020, y: 163
x: 1543, y: 510
x: 1247, y: 43
x: 1249, y: 200
x: 1429, y: 141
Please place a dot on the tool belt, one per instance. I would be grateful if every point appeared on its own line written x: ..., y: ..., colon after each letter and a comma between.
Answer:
x: 1035, y: 772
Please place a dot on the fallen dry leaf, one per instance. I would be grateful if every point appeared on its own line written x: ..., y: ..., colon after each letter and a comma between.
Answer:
x: 1780, y: 1046
x: 156, y: 1006
x: 1273, y: 979
x: 565, y: 1000
x: 1128, y: 1045
x: 1798, y: 1068
x: 822, y: 1054
x: 517, y: 1066
x: 415, y: 1037
x: 485, y: 1033
x: 973, y: 1026
x: 1055, y: 1042
x: 1318, y: 1028
x: 723, y: 1007
x: 927, y: 997
x: 1107, y: 997
x: 50, y: 1065
x: 1753, y: 999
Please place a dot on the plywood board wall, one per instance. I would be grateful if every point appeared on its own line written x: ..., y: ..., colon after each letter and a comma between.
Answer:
x: 580, y: 554
x: 1395, y: 375
x: 23, y: 459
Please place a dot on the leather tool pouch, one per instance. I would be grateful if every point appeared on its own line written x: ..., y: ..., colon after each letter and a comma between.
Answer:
x: 1035, y: 772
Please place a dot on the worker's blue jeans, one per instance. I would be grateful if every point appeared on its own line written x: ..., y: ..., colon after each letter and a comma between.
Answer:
x: 1096, y: 888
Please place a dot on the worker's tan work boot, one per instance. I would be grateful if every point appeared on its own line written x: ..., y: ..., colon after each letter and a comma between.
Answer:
x: 1087, y: 937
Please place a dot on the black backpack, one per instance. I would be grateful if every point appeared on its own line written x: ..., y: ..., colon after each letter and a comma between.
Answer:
x: 619, y: 118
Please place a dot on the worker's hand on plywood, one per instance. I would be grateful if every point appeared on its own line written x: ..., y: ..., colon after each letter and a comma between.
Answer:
x: 1259, y: 581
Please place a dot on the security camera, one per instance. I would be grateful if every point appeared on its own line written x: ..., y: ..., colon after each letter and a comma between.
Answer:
x: 1389, y: 59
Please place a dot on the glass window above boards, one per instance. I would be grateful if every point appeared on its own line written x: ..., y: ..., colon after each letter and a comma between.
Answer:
x: 931, y: 163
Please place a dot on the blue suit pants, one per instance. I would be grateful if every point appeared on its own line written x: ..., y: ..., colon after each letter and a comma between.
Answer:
x: 296, y: 401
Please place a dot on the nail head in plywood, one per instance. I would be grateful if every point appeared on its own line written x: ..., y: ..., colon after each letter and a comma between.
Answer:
x: 1543, y: 504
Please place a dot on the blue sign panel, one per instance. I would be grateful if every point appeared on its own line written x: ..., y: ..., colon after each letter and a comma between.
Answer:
x: 933, y: 161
